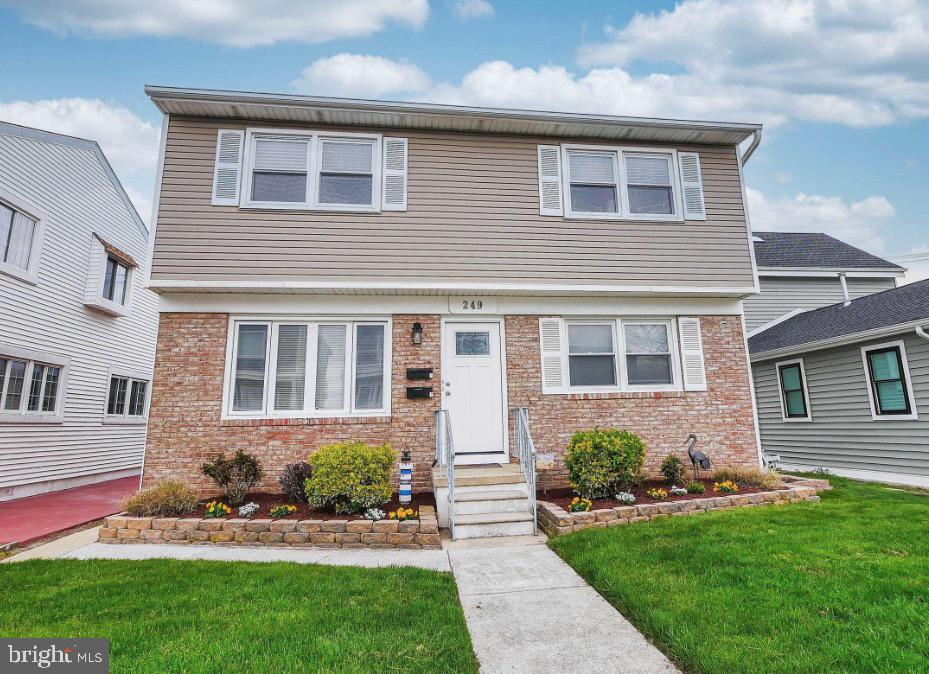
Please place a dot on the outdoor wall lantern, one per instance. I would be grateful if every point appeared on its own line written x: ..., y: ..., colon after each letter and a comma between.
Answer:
x: 417, y: 333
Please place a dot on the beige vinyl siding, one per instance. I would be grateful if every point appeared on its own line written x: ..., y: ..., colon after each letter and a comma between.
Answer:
x: 842, y: 433
x: 77, y: 197
x: 779, y: 295
x: 473, y: 215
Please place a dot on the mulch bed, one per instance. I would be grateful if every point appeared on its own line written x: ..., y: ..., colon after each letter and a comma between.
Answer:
x: 562, y: 496
x: 267, y: 501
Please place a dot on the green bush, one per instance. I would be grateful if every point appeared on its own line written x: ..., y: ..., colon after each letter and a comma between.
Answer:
x: 673, y: 469
x: 602, y: 462
x: 168, y: 498
x: 350, y: 477
x: 696, y: 488
x: 236, y: 476
x: 293, y: 481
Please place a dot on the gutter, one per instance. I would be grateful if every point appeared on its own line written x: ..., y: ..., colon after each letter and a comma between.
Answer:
x: 920, y: 331
x: 756, y: 141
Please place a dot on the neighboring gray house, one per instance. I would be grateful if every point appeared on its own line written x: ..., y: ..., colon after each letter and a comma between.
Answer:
x: 799, y: 271
x: 846, y: 387
x: 78, y: 328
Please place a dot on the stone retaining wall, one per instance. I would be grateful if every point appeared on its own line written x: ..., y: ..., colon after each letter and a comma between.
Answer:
x: 555, y: 520
x: 421, y: 534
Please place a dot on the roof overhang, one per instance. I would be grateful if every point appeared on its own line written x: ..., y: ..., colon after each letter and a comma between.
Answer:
x: 436, y: 117
x: 841, y: 340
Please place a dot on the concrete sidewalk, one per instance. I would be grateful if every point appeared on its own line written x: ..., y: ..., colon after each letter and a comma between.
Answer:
x: 528, y: 611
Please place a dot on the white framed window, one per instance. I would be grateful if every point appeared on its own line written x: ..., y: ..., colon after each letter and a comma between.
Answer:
x: 890, y: 389
x: 622, y: 183
x: 312, y: 170
x: 791, y: 383
x: 127, y: 398
x: 109, y: 278
x: 32, y: 386
x: 611, y: 355
x: 307, y: 368
x: 21, y: 231
x: 648, y: 348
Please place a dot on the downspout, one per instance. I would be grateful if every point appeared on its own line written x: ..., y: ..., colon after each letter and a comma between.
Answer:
x: 922, y: 332
x: 756, y: 141
x: 844, y: 285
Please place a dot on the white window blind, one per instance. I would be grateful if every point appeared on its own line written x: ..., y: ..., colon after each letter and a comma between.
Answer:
x: 591, y: 360
x: 280, y: 170
x: 251, y: 355
x: 593, y: 183
x: 648, y: 184
x: 330, y: 367
x: 369, y: 367
x: 290, y: 371
x: 648, y: 354
x: 16, y: 234
x: 346, y: 173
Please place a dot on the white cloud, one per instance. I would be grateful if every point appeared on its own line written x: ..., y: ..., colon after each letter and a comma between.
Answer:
x: 860, y: 223
x: 855, y: 62
x: 129, y: 142
x: 465, y: 10
x: 361, y: 76
x: 239, y: 23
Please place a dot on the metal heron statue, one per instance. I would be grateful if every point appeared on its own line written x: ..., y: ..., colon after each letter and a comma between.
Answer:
x: 698, y: 460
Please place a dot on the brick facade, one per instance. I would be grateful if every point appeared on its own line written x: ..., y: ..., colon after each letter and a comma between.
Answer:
x: 185, y: 428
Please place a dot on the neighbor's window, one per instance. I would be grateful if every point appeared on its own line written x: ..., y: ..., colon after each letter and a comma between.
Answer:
x: 649, y: 188
x: 594, y: 187
x: 313, y: 171
x: 648, y: 354
x: 16, y: 237
x: 28, y: 387
x: 115, y: 280
x: 887, y: 377
x: 126, y: 397
x: 591, y: 358
x: 793, y: 391
x: 319, y: 368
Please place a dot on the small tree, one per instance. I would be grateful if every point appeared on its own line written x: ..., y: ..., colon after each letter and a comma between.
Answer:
x: 236, y: 476
x: 673, y: 469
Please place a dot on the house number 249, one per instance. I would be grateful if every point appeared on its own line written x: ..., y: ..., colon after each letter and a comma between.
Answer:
x: 472, y: 305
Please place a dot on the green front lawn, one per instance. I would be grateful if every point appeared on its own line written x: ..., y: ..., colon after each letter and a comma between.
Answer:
x: 195, y: 616
x: 838, y: 586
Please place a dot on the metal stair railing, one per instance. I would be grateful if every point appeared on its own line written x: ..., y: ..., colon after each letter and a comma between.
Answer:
x: 527, y: 457
x: 445, y: 456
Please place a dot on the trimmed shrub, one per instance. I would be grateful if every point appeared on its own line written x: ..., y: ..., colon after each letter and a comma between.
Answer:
x: 236, y: 476
x: 673, y: 469
x: 169, y: 498
x: 603, y: 462
x: 293, y: 480
x: 749, y: 477
x: 696, y: 488
x: 350, y: 477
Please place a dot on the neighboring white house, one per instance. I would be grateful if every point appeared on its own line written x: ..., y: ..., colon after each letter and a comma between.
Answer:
x: 77, y: 326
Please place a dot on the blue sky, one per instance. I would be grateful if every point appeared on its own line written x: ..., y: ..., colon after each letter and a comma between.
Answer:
x: 842, y: 87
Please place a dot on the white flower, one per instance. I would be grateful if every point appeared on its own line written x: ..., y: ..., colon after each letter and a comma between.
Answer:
x: 248, y: 509
x: 625, y: 497
x: 374, y: 514
x: 678, y: 491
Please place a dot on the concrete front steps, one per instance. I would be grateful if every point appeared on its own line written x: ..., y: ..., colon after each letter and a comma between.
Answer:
x: 490, y: 501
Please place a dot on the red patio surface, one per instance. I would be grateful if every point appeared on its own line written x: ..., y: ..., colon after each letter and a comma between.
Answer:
x: 27, y: 519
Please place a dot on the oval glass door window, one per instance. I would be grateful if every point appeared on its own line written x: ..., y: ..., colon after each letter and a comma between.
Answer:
x: 472, y: 343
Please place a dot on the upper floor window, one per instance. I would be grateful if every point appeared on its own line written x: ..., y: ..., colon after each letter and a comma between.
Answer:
x: 889, y: 387
x: 109, y: 278
x: 313, y: 171
x: 308, y: 368
x: 791, y: 379
x: 20, y: 236
x: 649, y: 188
x: 31, y: 386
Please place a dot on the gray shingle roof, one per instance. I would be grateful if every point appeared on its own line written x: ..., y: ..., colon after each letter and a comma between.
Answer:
x: 802, y: 249
x: 906, y: 304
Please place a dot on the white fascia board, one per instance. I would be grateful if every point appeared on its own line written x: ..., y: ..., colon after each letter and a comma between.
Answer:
x: 830, y: 273
x: 844, y: 340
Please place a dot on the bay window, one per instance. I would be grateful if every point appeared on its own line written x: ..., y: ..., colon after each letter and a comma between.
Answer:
x: 304, y: 368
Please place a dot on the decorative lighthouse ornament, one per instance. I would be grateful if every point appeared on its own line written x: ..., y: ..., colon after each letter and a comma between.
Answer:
x: 406, y: 477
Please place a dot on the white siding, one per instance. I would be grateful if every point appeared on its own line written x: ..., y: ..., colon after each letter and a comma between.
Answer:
x: 70, y: 184
x: 780, y: 295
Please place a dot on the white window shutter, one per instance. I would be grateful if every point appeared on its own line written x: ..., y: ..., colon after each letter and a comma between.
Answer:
x: 395, y: 174
x: 691, y: 185
x: 550, y: 199
x: 550, y: 340
x: 692, y: 354
x: 228, y: 167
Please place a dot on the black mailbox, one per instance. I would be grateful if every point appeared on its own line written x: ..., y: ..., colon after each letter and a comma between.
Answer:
x: 418, y: 391
x: 419, y: 373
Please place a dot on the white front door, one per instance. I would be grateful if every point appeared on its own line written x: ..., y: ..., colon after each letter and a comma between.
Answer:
x: 472, y: 391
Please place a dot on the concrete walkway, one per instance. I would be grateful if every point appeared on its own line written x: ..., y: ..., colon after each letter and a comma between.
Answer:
x: 528, y: 611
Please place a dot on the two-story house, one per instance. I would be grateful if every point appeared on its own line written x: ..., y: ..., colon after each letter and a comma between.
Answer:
x: 341, y: 269
x: 77, y: 325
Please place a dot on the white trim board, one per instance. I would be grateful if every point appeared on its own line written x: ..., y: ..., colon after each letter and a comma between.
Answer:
x: 776, y: 321
x: 268, y: 303
x: 829, y: 273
